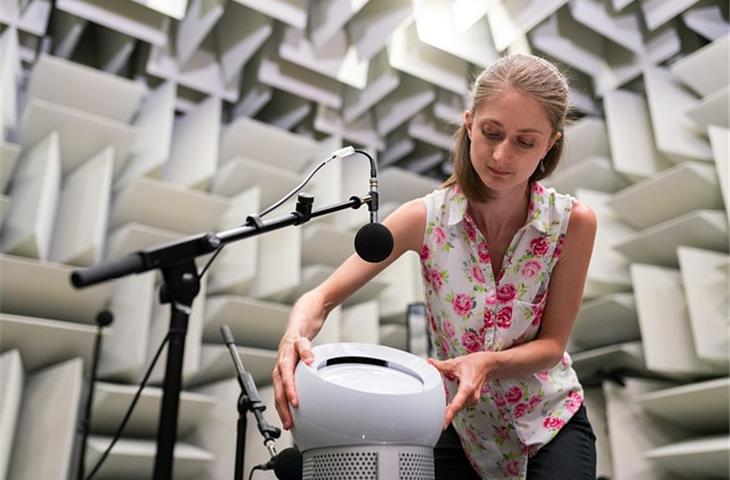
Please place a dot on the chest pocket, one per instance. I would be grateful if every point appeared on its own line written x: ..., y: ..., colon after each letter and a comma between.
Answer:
x: 523, y: 325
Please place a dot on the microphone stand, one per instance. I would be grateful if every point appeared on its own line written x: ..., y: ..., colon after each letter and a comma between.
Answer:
x: 248, y: 401
x: 103, y: 319
x: 182, y: 284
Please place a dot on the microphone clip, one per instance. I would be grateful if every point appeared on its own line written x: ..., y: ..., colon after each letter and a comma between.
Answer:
x: 374, y: 203
x: 304, y: 208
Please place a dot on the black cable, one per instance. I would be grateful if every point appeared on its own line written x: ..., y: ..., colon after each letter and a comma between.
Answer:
x: 294, y: 191
x: 118, y: 433
x: 373, y: 163
x: 257, y: 467
x: 270, y: 209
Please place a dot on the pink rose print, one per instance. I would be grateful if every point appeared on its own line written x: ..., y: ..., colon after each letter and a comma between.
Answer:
x: 540, y: 296
x: 426, y: 274
x: 539, y: 246
x: 542, y: 375
x: 520, y: 410
x: 531, y: 268
x: 483, y: 252
x: 472, y: 341
x: 486, y: 389
x: 448, y: 328
x: 499, y: 399
x: 477, y: 273
x: 573, y: 402
x: 534, y: 401
x: 471, y: 232
x: 504, y: 317
x: 537, y: 314
x: 537, y: 188
x: 559, y: 246
x: 444, y: 349
x: 491, y: 298
x: 514, y: 395
x: 565, y: 362
x: 506, y: 292
x: 425, y: 253
x: 488, y: 318
x: 439, y: 236
x: 436, y: 279
x: 553, y: 423
x: 431, y: 321
x: 512, y: 468
x: 462, y: 304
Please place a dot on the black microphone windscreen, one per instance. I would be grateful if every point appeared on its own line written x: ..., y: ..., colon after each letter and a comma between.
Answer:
x: 104, y: 318
x: 288, y: 464
x: 374, y: 242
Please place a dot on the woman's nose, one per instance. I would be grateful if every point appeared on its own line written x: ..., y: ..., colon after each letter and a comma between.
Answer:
x: 501, y: 151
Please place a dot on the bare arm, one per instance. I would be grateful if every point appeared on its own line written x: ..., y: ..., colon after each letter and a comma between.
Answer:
x: 407, y: 224
x: 565, y: 295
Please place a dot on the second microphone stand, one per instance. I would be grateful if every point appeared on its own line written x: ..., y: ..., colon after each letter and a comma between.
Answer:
x: 248, y: 401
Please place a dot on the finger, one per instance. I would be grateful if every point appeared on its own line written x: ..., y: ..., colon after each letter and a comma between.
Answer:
x: 286, y: 372
x: 304, y: 349
x: 280, y: 402
x: 447, y: 368
x: 457, y: 404
x: 441, y: 365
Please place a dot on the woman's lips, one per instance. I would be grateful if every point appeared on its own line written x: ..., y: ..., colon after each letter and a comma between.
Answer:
x: 499, y: 173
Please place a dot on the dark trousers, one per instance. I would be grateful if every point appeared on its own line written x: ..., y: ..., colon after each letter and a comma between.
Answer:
x: 571, y: 455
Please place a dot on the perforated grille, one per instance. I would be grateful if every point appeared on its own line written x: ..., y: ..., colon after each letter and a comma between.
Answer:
x: 341, y: 466
x: 415, y: 466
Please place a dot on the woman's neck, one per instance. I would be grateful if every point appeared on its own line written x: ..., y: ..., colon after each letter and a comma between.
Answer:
x: 504, y: 212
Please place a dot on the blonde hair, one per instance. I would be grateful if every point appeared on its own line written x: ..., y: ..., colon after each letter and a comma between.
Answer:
x: 532, y: 76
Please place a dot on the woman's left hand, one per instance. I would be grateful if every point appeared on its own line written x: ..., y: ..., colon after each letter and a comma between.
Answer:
x: 470, y: 371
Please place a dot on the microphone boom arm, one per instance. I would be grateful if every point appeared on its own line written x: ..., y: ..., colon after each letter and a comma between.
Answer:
x: 188, y: 248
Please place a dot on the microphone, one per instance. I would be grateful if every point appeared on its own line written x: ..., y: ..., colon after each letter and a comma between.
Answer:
x: 287, y: 464
x: 373, y: 242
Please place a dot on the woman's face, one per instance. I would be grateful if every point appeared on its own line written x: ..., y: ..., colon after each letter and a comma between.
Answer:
x: 509, y: 134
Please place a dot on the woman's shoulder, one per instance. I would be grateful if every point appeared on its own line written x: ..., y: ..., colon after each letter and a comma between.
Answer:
x: 441, y: 193
x: 563, y: 205
x: 565, y: 212
x: 553, y: 197
x: 439, y: 201
x: 582, y: 217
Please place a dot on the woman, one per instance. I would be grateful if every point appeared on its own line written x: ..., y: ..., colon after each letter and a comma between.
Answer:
x: 504, y: 263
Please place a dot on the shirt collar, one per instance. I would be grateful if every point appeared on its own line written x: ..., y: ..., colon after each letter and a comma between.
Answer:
x: 538, y: 216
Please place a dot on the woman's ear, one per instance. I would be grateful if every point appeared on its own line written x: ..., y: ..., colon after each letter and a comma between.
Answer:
x: 555, y: 138
x: 468, y: 121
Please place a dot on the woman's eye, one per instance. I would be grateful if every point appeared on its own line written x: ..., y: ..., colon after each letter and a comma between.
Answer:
x: 525, y: 144
x: 492, y: 135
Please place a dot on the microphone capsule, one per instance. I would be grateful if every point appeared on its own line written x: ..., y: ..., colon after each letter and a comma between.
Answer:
x: 374, y: 242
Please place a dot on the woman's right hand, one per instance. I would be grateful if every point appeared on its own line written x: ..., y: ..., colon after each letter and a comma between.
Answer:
x: 292, y: 348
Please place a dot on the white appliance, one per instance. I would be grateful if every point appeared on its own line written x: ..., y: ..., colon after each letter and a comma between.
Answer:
x: 367, y: 412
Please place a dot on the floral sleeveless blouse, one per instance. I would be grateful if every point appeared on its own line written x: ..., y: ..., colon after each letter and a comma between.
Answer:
x: 468, y: 310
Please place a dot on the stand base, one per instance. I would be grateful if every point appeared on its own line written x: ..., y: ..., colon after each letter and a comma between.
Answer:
x: 376, y: 462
